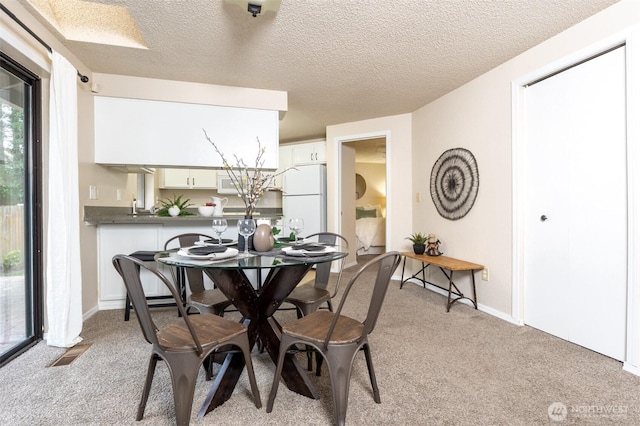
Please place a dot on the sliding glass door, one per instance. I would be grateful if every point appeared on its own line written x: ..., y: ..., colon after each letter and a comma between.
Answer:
x: 20, y: 210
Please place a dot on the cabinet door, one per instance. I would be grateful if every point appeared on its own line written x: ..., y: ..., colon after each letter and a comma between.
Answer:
x: 124, y: 239
x: 320, y: 152
x: 309, y: 153
x: 189, y: 178
x: 204, y: 178
x: 303, y: 153
x: 176, y: 178
x: 285, y: 161
x: 125, y: 129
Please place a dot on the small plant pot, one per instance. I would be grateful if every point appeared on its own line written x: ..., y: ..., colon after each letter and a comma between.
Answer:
x: 174, y: 211
x: 419, y: 248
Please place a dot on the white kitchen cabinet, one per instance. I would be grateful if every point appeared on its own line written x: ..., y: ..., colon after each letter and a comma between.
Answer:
x: 170, y: 134
x: 125, y: 239
x: 188, y: 178
x: 285, y: 161
x: 309, y: 153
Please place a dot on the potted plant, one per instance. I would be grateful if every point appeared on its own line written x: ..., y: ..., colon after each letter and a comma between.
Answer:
x: 174, y: 207
x: 419, y: 241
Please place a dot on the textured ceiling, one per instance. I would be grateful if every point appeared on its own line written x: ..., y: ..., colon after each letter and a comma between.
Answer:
x: 339, y: 60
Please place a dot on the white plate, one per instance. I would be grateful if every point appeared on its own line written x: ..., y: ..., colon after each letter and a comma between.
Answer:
x: 290, y: 251
x: 204, y: 243
x: 230, y: 252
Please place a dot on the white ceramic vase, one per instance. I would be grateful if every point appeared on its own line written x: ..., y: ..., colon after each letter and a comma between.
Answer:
x: 174, y: 211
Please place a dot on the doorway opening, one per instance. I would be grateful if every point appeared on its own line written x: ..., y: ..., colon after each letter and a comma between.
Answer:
x: 364, y: 193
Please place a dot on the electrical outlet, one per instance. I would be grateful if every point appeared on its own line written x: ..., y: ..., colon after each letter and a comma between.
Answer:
x: 118, y: 195
x: 93, y: 192
x: 418, y: 197
x: 485, y: 274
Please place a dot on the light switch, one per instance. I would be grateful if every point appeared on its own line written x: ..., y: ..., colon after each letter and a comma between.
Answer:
x: 418, y: 197
x: 93, y: 192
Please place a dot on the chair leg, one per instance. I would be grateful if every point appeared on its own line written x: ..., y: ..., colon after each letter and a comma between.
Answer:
x: 127, y: 308
x: 372, y: 374
x: 147, y: 386
x: 319, y: 359
x: 339, y: 363
x: 183, y: 368
x: 285, y: 342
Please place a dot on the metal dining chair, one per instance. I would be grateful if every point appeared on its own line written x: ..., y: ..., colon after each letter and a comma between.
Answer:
x: 183, y: 344
x: 308, y: 298
x: 211, y: 301
x: 337, y: 337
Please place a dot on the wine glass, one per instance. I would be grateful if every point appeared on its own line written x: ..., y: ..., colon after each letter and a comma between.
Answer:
x: 296, y: 225
x: 219, y: 226
x: 246, y: 228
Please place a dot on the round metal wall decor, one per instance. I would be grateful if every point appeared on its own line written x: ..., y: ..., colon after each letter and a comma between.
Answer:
x: 454, y: 183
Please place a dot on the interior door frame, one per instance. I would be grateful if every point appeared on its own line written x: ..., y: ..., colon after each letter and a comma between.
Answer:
x: 338, y: 141
x: 632, y: 360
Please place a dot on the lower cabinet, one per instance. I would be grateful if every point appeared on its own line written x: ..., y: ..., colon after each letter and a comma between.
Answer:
x: 127, y: 238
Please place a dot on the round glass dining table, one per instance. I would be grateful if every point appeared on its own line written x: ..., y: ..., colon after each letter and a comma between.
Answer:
x: 257, y: 298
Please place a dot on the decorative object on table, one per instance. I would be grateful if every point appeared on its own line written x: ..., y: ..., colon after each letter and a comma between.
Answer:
x: 419, y: 242
x: 219, y: 204
x: 246, y: 228
x: 179, y: 204
x: 250, y: 182
x: 206, y: 210
x: 263, y: 238
x: 433, y: 246
x: 219, y: 225
x: 275, y: 231
x: 454, y: 183
x: 296, y: 225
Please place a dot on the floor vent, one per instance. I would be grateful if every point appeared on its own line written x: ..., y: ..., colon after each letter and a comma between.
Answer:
x: 70, y: 355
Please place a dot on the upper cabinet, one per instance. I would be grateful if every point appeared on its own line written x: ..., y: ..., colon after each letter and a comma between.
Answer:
x: 286, y: 160
x: 170, y: 134
x: 188, y: 178
x: 310, y: 153
x: 298, y: 154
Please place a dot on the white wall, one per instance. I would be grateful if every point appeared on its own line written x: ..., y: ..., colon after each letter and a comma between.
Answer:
x: 478, y: 116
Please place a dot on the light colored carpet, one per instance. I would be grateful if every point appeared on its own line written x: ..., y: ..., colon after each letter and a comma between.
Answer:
x: 433, y: 368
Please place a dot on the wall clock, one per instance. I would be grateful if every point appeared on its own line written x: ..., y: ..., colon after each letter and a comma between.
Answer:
x: 454, y: 183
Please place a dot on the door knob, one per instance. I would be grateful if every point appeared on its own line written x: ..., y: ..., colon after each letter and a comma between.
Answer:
x: 543, y: 218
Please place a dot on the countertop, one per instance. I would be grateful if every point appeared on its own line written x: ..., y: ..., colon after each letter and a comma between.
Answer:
x: 97, y: 215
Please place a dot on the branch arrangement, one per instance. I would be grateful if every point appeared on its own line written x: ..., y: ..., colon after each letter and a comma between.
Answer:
x: 251, y: 183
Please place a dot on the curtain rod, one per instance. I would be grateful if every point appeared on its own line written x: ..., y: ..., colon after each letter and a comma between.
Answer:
x: 83, y: 78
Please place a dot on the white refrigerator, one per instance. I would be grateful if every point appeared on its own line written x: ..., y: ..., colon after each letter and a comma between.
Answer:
x: 304, y: 196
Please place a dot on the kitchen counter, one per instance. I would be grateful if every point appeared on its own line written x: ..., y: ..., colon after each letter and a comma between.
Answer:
x: 96, y: 215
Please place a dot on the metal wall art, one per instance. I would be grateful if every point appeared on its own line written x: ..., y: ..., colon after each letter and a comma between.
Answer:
x: 454, y: 183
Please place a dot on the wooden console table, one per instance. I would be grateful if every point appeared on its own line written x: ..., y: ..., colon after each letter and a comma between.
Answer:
x: 445, y: 264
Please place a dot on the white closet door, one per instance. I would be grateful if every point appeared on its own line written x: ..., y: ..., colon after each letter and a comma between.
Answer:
x: 576, y: 222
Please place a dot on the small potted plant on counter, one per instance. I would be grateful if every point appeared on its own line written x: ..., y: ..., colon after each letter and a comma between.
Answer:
x: 419, y: 241
x: 174, y: 207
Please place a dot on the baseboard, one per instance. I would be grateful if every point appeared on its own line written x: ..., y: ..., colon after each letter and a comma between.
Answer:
x: 481, y: 307
x: 91, y: 312
x: 633, y: 369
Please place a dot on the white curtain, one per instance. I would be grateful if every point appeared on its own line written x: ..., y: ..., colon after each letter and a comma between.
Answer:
x: 63, y: 279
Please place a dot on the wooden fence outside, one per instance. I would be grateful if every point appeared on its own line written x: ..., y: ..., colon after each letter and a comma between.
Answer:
x: 12, y: 230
